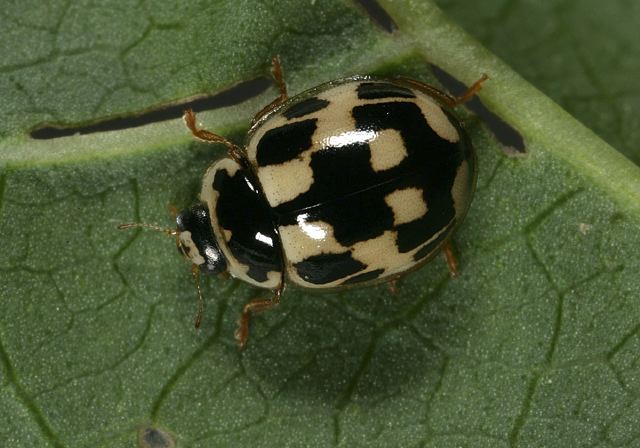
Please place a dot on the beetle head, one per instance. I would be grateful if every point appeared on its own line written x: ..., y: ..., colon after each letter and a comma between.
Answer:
x: 196, y: 241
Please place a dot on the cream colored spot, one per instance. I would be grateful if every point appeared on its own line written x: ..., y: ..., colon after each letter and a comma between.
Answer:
x: 282, y: 183
x: 335, y: 126
x: 393, y: 262
x: 460, y: 190
x: 380, y: 252
x: 437, y: 120
x: 407, y: 205
x: 190, y: 248
x: 387, y: 150
x: 307, y: 239
x: 345, y: 95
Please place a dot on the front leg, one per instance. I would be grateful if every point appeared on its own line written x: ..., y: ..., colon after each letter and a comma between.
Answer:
x: 234, y: 151
x: 255, y: 306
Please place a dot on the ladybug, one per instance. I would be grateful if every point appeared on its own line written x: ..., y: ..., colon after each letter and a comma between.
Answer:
x: 353, y: 182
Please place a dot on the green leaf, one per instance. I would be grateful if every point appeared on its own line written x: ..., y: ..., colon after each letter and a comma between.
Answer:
x: 536, y: 344
x: 584, y: 56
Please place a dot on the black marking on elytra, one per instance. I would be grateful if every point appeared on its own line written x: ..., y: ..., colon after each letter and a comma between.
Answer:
x: 326, y: 268
x: 364, y: 277
x: 196, y: 220
x: 305, y: 107
x: 377, y: 90
x: 413, y: 234
x: 433, y: 160
x: 356, y: 218
x: 285, y: 143
x: 349, y: 195
x: 428, y: 248
x: 242, y: 209
x: 340, y: 173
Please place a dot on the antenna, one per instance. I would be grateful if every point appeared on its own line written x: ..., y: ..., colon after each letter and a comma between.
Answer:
x: 168, y: 232
x: 195, y: 272
x: 195, y: 269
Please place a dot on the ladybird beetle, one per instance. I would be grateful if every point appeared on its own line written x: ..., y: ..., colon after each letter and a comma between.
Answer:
x: 352, y: 182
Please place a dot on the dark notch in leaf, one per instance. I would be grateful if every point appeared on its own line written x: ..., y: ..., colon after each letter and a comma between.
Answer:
x: 378, y: 15
x: 507, y: 135
x: 150, y: 437
x: 235, y: 95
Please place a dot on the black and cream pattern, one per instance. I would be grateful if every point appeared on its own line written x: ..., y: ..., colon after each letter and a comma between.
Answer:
x: 242, y: 224
x: 364, y: 179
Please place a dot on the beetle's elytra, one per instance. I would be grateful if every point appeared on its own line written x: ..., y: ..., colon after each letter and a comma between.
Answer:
x: 355, y: 181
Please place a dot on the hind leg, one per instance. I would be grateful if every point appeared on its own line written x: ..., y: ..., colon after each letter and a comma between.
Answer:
x: 278, y: 76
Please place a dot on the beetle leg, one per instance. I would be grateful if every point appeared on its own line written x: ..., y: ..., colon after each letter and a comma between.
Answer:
x: 278, y: 76
x: 195, y: 273
x: 209, y: 137
x: 255, y: 306
x: 471, y: 91
x: 445, y: 98
x: 393, y: 286
x: 452, y: 261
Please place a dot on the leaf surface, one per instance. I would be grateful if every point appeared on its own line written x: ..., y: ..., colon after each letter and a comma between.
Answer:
x: 584, y: 56
x: 536, y: 344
